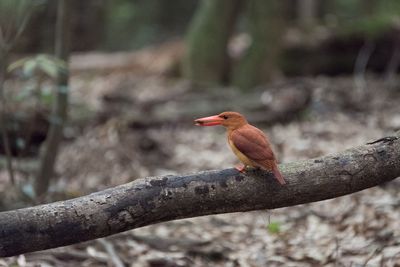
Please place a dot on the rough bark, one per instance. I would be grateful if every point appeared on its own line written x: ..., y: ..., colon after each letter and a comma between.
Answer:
x: 158, y: 199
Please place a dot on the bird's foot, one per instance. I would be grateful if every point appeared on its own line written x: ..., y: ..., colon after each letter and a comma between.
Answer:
x: 240, y: 167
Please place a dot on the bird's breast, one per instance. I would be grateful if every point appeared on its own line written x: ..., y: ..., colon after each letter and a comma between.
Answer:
x: 245, y: 160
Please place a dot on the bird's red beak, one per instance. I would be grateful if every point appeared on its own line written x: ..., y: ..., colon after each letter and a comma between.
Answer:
x: 209, y: 121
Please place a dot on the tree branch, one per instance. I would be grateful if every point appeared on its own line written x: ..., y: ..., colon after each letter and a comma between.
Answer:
x: 158, y: 199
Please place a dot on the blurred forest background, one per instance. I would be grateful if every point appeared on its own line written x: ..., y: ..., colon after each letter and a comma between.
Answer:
x: 97, y: 93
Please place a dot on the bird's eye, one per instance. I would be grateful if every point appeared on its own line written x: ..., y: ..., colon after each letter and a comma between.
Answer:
x: 225, y: 117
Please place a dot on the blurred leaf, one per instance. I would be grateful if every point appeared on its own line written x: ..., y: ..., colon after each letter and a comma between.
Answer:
x: 48, y: 67
x: 274, y: 227
x: 29, y: 67
x: 17, y: 64
x: 46, y: 96
x: 27, y: 189
x: 24, y: 93
x: 45, y: 64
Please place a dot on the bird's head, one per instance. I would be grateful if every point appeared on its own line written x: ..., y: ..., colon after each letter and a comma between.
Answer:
x: 228, y: 119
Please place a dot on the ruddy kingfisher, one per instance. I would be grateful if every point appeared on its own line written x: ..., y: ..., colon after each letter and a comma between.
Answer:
x: 249, y: 143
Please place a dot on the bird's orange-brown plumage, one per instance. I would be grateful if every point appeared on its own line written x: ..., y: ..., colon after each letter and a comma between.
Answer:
x: 249, y: 143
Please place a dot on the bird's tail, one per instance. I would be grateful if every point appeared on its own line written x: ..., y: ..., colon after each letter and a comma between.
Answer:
x: 278, y: 175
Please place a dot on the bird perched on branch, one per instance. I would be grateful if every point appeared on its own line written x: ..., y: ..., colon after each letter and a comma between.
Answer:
x: 248, y: 143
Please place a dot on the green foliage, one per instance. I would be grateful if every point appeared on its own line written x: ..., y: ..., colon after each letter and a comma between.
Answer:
x: 370, y: 18
x: 42, y: 94
x: 371, y: 27
x: 41, y: 64
x: 347, y: 8
x: 274, y: 227
x: 36, y: 70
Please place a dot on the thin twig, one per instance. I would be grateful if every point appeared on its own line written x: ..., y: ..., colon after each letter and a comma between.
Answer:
x: 3, y: 111
x: 111, y: 251
x: 60, y: 103
x: 7, y: 39
x: 370, y: 256
x: 393, y: 65
x: 2, y: 40
x: 360, y: 66
x: 337, y: 252
x: 21, y: 27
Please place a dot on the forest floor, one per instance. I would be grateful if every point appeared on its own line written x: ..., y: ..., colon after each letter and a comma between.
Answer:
x: 361, y: 229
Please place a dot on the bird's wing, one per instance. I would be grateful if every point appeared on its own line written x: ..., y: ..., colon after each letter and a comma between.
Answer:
x: 253, y: 143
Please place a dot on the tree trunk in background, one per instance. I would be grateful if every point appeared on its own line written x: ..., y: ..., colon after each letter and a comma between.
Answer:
x: 265, y: 26
x: 307, y: 13
x: 207, y: 60
x: 59, y: 112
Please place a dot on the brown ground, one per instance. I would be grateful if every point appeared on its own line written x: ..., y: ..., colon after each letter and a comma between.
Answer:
x: 362, y: 229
